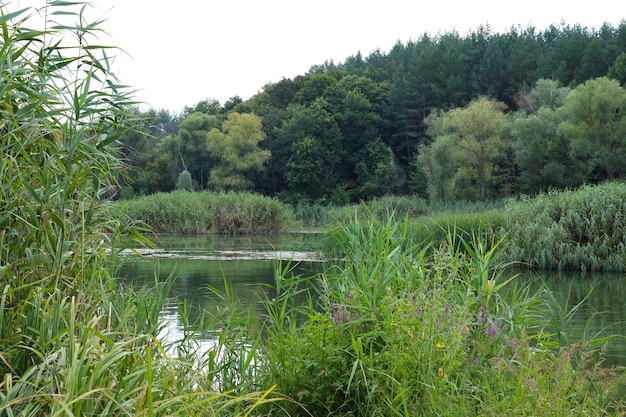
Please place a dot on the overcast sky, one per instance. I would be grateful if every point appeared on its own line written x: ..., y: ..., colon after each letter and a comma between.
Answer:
x: 183, y: 51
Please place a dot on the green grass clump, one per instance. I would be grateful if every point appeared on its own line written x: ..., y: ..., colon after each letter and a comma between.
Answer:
x: 184, y: 212
x: 581, y: 230
x: 380, y: 208
x: 399, y: 329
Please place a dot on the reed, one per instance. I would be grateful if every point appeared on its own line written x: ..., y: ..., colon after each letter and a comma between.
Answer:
x: 72, y: 340
x: 183, y: 212
x: 402, y: 328
x: 580, y: 230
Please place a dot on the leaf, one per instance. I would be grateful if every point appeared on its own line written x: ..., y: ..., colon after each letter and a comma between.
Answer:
x: 7, y: 17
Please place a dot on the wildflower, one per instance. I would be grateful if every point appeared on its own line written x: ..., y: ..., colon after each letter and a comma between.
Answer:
x: 418, y: 313
x: 440, y: 345
x: 481, y: 316
x: 512, y: 346
x: 446, y: 309
x: 491, y: 331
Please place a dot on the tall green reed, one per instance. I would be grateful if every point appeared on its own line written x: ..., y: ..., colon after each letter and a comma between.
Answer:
x: 581, y: 230
x: 398, y: 329
x: 72, y: 340
x: 185, y: 212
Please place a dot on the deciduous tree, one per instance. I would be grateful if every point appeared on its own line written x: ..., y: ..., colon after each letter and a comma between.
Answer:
x: 477, y: 136
x: 596, y: 125
x: 236, y: 149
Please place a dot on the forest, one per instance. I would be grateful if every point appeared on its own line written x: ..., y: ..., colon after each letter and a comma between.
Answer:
x: 449, y: 117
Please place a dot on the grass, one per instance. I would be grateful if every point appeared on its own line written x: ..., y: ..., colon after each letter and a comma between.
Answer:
x: 72, y: 340
x: 399, y: 328
x: 580, y: 230
x: 184, y: 212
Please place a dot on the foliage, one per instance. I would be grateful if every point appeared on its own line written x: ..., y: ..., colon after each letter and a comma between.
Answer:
x: 476, y: 135
x: 570, y: 230
x: 542, y: 153
x: 204, y: 212
x: 184, y: 183
x: 318, y: 125
x: 401, y: 332
x: 596, y: 126
x: 73, y: 341
x: 236, y: 149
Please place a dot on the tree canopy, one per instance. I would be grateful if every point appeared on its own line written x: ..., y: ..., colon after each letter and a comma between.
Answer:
x: 328, y: 132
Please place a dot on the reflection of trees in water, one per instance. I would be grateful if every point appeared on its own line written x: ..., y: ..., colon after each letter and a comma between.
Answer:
x: 248, y: 280
x: 606, y: 299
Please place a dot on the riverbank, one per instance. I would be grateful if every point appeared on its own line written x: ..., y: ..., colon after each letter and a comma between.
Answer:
x: 576, y: 230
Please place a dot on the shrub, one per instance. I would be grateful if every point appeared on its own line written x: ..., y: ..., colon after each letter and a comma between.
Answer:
x: 184, y: 182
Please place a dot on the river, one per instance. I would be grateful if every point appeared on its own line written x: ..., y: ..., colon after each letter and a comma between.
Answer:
x: 247, y: 265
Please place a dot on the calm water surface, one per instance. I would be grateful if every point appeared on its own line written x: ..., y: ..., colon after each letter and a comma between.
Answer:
x: 247, y: 264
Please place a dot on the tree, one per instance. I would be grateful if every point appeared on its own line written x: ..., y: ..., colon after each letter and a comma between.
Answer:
x: 596, y: 126
x: 185, y: 183
x: 310, y: 150
x: 236, y: 149
x: 618, y: 71
x: 440, y: 165
x: 192, y: 145
x: 477, y: 135
x: 377, y: 172
x: 542, y: 154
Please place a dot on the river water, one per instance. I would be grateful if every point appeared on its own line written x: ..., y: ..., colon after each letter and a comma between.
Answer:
x: 247, y: 265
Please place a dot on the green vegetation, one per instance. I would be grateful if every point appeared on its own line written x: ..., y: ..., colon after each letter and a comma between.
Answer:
x: 447, y: 118
x: 401, y: 326
x: 581, y: 230
x: 185, y: 212
x: 73, y: 341
x: 576, y: 230
x: 400, y: 332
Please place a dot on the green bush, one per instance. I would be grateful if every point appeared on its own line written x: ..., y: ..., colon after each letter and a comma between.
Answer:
x: 184, y: 182
x: 582, y: 229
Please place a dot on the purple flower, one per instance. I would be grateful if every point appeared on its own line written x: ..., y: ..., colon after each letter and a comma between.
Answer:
x: 418, y: 313
x: 491, y: 331
x: 480, y: 318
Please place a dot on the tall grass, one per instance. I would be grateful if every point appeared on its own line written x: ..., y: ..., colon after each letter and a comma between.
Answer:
x: 398, y: 329
x: 581, y: 230
x: 72, y: 341
x: 184, y: 212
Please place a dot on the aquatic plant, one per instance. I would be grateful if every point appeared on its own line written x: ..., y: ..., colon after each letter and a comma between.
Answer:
x: 184, y: 212
x: 73, y: 341
x: 581, y: 230
x: 398, y: 328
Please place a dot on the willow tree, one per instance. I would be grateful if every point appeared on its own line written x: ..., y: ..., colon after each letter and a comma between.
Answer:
x: 596, y: 126
x: 236, y: 149
x: 477, y: 134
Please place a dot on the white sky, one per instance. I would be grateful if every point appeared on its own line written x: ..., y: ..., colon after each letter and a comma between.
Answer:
x: 183, y: 51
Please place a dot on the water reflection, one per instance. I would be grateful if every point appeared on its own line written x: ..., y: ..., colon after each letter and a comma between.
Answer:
x: 604, y: 305
x: 247, y: 264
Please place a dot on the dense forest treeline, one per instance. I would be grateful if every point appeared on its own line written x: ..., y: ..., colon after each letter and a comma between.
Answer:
x: 446, y: 117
